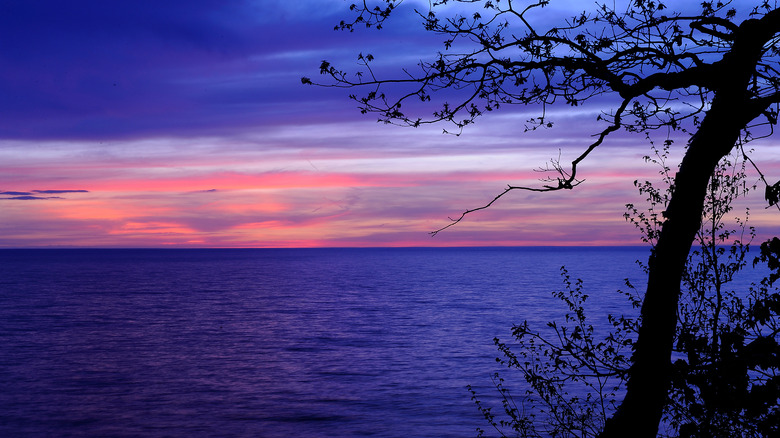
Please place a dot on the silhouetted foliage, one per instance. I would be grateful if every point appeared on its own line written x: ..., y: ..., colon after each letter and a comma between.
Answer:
x: 726, y: 370
x: 711, y: 73
x: 575, y: 373
x: 725, y: 359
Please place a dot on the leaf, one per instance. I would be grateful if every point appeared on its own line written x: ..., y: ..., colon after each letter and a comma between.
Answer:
x: 772, y: 193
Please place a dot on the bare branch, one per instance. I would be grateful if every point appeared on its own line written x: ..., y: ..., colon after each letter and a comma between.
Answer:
x: 565, y: 181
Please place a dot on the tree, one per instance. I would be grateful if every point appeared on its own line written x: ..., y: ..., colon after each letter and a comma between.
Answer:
x: 725, y: 375
x: 726, y: 367
x: 712, y: 74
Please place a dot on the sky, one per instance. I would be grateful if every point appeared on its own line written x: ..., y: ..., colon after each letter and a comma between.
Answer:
x: 185, y: 124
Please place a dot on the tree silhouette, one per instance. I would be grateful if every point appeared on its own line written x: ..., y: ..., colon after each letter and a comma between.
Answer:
x: 712, y: 73
x: 726, y: 372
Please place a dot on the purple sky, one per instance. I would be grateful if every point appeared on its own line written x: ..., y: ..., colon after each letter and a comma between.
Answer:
x: 126, y: 124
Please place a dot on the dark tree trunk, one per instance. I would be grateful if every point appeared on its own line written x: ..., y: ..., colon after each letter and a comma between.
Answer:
x: 647, y: 388
x: 731, y: 110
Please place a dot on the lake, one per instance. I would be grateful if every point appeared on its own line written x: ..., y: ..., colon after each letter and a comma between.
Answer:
x: 273, y: 342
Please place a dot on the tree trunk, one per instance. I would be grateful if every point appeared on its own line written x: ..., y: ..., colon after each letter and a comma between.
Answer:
x: 648, y: 385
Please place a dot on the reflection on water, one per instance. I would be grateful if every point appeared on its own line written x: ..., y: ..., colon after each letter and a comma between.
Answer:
x: 271, y: 343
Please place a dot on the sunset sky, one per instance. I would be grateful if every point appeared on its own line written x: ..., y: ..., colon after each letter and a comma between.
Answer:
x: 185, y: 123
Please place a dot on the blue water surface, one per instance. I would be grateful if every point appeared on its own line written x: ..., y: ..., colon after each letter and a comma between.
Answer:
x: 272, y: 342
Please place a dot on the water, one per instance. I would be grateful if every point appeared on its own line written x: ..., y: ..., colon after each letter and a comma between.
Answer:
x: 272, y: 342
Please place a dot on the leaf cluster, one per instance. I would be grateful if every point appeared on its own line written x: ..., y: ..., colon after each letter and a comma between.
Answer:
x: 657, y: 68
x: 574, y: 376
x: 725, y: 374
x: 726, y: 357
x: 663, y: 62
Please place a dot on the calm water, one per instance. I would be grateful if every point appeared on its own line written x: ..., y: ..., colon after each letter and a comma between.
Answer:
x: 271, y: 343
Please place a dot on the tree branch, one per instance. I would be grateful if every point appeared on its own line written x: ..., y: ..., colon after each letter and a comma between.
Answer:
x: 566, y: 180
